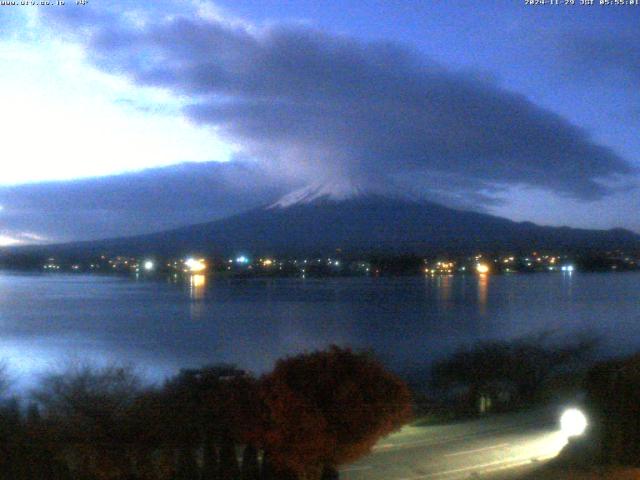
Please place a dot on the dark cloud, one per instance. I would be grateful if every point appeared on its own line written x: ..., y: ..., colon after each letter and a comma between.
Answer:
x: 140, y: 202
x: 321, y: 105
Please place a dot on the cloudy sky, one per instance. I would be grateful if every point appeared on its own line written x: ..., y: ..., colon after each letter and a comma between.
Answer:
x: 128, y: 117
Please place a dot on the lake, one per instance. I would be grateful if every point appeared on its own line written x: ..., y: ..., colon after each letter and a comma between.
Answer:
x: 50, y: 320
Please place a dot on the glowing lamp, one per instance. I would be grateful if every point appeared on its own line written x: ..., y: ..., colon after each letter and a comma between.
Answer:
x: 149, y: 265
x: 482, y: 268
x: 573, y: 422
x: 195, y: 265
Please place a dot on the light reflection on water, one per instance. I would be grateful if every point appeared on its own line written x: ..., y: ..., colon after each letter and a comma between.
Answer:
x: 164, y: 325
x: 443, y: 283
x: 197, y: 286
x: 483, y: 293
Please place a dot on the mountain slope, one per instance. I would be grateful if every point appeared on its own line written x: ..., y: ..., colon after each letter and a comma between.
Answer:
x: 360, y: 224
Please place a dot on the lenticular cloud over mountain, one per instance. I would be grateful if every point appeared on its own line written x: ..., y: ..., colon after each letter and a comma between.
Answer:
x: 310, y: 104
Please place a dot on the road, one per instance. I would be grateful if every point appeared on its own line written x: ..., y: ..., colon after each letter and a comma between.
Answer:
x: 493, y: 447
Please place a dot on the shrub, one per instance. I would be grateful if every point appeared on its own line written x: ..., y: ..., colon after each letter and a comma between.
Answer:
x: 330, y: 407
x: 87, y: 415
x: 613, y: 393
x: 518, y: 369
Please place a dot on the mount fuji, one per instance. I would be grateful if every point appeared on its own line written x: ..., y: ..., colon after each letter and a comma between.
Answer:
x: 323, y: 218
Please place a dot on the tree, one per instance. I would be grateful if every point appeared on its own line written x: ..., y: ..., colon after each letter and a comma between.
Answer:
x: 523, y: 365
x: 152, y: 424
x: 329, y: 407
x: 87, y: 412
x: 613, y: 395
x: 186, y: 468
x: 229, y: 469
x: 250, y: 467
x: 210, y: 461
x: 212, y: 401
x: 215, y: 408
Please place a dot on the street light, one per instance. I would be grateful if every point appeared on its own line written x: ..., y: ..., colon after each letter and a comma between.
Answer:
x: 573, y: 422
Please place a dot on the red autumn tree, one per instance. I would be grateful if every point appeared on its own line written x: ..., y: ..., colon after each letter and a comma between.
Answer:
x: 330, y: 407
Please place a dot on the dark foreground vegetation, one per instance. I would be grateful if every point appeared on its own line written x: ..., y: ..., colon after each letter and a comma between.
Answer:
x: 312, y: 413
x: 514, y: 374
x: 610, y: 449
x: 613, y: 398
x: 502, y: 376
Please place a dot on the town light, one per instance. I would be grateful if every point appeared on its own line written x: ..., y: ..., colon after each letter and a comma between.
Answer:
x: 195, y: 265
x: 149, y: 265
x: 482, y: 268
x: 573, y: 422
x: 242, y: 259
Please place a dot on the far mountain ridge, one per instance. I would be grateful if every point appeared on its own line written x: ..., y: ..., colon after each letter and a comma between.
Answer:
x: 361, y: 223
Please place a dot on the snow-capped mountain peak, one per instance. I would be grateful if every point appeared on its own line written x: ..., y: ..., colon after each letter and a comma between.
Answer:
x: 336, y: 191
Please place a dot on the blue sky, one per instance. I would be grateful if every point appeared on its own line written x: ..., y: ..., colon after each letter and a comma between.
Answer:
x: 526, y: 112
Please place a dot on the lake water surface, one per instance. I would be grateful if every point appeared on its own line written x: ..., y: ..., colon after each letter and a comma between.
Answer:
x: 47, y: 321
